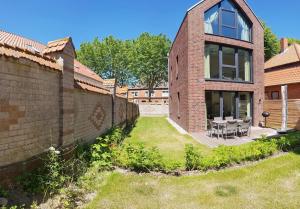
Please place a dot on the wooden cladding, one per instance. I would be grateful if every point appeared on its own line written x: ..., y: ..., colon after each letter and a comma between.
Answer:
x: 274, y: 107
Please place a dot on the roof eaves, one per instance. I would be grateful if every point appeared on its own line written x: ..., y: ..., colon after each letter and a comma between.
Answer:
x: 195, y: 5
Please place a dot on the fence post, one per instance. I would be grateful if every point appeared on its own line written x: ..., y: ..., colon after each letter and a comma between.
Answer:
x: 284, y: 108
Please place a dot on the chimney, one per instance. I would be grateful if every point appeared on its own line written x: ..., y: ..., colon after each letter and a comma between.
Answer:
x: 284, y: 44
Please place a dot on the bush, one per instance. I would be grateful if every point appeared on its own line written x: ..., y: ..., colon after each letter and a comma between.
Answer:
x: 139, y: 158
x: 224, y: 156
x: 192, y: 157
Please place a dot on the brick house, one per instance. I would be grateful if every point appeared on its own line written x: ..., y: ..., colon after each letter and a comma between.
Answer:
x: 216, y: 65
x: 283, y: 69
x: 140, y: 95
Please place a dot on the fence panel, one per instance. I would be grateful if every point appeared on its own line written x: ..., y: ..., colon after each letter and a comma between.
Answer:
x: 274, y: 107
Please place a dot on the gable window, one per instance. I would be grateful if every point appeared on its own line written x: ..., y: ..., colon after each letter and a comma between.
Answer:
x: 225, y: 19
x: 227, y: 63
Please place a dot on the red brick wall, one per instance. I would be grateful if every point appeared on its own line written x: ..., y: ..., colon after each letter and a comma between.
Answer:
x: 193, y: 82
x: 180, y: 49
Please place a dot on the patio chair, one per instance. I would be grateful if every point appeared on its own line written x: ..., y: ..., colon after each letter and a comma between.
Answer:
x: 218, y: 118
x: 231, y: 127
x: 212, y: 128
x: 230, y: 118
x: 245, y: 127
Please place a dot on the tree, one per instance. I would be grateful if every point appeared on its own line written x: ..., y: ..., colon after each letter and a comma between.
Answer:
x: 108, y: 58
x: 293, y: 41
x: 272, y: 46
x: 149, y: 60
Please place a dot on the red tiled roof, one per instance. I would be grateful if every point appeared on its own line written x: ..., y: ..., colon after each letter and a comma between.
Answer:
x: 290, y: 55
x: 19, y: 41
x: 20, y: 47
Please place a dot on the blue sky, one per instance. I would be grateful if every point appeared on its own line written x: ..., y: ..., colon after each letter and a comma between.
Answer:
x: 46, y: 20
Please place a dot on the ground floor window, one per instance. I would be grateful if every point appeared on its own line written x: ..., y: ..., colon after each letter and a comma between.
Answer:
x: 227, y: 103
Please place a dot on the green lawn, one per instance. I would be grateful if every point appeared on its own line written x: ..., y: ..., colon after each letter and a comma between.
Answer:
x: 156, y: 131
x: 270, y: 184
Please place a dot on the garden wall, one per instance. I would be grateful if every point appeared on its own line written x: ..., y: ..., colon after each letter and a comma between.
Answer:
x: 39, y: 108
x: 275, y: 108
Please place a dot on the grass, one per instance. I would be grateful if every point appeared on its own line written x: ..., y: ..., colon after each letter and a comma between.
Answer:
x: 269, y: 184
x: 156, y: 131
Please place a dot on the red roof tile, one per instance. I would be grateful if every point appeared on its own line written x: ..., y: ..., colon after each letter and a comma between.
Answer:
x: 20, y: 47
x: 290, y: 55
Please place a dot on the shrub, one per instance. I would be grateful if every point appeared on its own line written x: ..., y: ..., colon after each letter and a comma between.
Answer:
x: 139, y: 158
x: 192, y: 157
x: 284, y: 144
x: 224, y: 156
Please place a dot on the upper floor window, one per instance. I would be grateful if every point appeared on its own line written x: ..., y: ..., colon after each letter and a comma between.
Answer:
x: 228, y: 63
x: 135, y: 94
x: 225, y: 19
x: 152, y: 93
x: 165, y: 93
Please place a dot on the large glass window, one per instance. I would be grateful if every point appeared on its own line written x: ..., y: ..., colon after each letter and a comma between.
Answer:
x: 244, y: 66
x: 227, y: 63
x: 228, y: 104
x: 212, y: 61
x: 227, y: 20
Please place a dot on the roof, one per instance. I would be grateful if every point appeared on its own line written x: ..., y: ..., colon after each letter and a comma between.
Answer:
x: 16, y: 46
x: 122, y: 90
x: 289, y: 56
x: 109, y: 82
x: 58, y: 45
x: 19, y: 41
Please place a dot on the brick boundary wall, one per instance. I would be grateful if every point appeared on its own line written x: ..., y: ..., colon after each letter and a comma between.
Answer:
x: 40, y: 107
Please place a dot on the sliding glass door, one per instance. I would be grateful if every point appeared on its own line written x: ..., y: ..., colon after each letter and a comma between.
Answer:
x: 226, y: 103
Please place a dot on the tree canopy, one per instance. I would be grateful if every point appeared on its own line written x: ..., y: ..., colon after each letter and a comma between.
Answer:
x: 108, y: 57
x: 272, y: 46
x: 150, y: 60
x: 142, y: 60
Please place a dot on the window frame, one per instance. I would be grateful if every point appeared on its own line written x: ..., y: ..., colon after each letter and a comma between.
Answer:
x: 236, y: 66
x: 276, y: 92
x: 237, y: 102
x: 236, y: 11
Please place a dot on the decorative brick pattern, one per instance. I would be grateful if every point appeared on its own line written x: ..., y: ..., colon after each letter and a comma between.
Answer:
x: 98, y: 116
x: 9, y: 115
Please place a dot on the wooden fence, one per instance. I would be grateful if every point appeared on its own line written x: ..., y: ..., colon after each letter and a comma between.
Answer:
x: 274, y: 107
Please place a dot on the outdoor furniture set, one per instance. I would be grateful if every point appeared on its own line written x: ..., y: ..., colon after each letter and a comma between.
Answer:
x: 229, y: 127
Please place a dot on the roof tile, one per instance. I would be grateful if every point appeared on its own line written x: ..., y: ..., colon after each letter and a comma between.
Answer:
x: 290, y: 55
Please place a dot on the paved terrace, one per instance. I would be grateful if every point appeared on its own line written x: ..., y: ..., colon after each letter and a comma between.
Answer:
x: 203, y: 138
x: 256, y: 132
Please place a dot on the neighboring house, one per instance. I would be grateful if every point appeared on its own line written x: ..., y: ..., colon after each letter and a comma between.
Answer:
x: 140, y: 95
x: 84, y: 77
x: 110, y: 84
x: 216, y: 65
x: 283, y: 69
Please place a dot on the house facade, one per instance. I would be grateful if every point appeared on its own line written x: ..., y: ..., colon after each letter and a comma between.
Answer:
x: 140, y: 95
x: 283, y: 69
x: 216, y: 65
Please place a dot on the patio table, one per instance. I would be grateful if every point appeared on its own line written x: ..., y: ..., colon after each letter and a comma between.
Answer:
x: 223, y: 122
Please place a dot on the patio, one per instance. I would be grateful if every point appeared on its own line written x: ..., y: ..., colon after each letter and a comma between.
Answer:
x: 256, y: 132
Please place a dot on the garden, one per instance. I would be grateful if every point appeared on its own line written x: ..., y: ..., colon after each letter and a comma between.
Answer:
x: 150, y: 165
